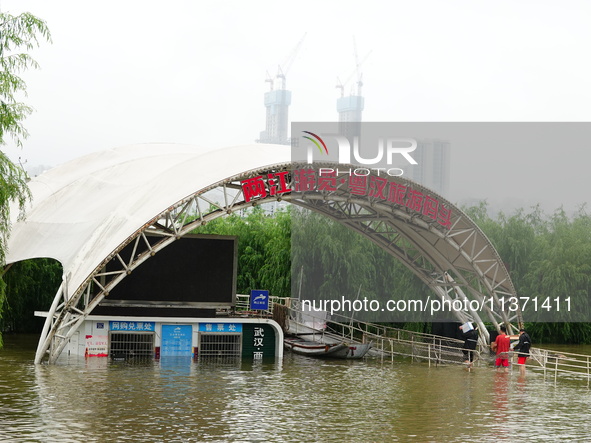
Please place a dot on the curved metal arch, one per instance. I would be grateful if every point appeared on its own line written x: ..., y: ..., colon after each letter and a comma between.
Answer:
x: 467, y: 260
x: 68, y: 311
x: 450, y: 259
x: 419, y: 256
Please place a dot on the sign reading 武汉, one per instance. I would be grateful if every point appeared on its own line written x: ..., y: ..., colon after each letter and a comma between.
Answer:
x: 258, y: 341
x: 259, y: 299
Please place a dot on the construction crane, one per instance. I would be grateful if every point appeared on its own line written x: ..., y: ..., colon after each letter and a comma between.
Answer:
x: 356, y: 72
x: 284, y: 67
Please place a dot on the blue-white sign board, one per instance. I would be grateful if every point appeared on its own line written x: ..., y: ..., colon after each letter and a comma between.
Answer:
x: 259, y: 299
x: 176, y: 341
x: 220, y: 327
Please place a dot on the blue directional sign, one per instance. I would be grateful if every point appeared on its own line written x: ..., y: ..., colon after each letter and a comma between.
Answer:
x: 259, y: 299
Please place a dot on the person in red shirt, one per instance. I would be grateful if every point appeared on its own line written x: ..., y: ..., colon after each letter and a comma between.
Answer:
x: 501, y: 346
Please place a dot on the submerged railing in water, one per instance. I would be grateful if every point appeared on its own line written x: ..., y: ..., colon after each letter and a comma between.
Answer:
x: 389, y: 342
x: 561, y: 364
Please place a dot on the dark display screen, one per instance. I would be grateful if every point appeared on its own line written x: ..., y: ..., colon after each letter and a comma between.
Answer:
x: 191, y: 271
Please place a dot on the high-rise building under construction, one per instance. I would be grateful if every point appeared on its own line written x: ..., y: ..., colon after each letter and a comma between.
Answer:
x: 433, y: 156
x: 277, y: 103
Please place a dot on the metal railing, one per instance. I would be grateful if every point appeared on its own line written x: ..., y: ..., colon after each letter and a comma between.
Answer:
x: 557, y: 364
x: 435, y: 350
x: 243, y: 304
x: 389, y: 342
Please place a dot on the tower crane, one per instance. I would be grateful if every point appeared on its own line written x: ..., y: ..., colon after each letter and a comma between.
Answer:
x: 356, y: 72
x: 284, y: 67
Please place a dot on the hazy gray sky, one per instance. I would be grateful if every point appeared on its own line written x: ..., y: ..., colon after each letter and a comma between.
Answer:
x: 123, y: 72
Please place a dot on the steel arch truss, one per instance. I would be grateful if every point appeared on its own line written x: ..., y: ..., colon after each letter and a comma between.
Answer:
x: 456, y: 261
x: 68, y: 311
x: 428, y: 234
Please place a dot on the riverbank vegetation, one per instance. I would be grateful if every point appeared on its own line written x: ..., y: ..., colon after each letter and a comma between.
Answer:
x: 18, y: 36
x: 547, y: 255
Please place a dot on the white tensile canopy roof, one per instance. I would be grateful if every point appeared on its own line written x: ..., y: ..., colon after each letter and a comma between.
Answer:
x: 83, y: 210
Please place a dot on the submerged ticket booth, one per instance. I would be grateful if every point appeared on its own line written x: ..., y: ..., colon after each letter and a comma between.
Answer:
x: 159, y: 338
x: 180, y: 303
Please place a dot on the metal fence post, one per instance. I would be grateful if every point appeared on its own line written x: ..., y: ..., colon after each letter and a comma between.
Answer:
x: 391, y: 350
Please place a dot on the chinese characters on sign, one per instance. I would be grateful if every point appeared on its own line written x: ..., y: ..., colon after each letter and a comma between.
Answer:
x: 143, y: 326
x: 360, y: 185
x: 261, y: 186
x: 176, y: 340
x: 96, y: 346
x: 259, y: 335
x: 220, y: 327
x: 259, y: 299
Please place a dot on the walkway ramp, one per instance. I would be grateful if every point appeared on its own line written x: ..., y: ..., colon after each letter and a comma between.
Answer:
x: 390, y: 342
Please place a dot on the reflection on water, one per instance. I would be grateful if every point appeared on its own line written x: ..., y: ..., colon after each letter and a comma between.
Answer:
x: 299, y: 399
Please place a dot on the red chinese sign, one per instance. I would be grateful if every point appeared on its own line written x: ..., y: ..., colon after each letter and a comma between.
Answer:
x: 261, y: 186
x: 359, y: 185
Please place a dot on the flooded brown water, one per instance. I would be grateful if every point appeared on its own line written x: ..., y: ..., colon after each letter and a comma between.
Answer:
x: 297, y: 400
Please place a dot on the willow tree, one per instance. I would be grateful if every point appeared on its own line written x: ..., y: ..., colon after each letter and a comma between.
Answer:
x: 18, y: 35
x: 549, y: 258
x: 264, y: 260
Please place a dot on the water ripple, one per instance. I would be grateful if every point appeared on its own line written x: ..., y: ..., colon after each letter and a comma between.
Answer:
x: 296, y: 400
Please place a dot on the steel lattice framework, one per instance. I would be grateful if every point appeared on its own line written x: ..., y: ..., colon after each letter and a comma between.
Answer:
x: 456, y: 262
